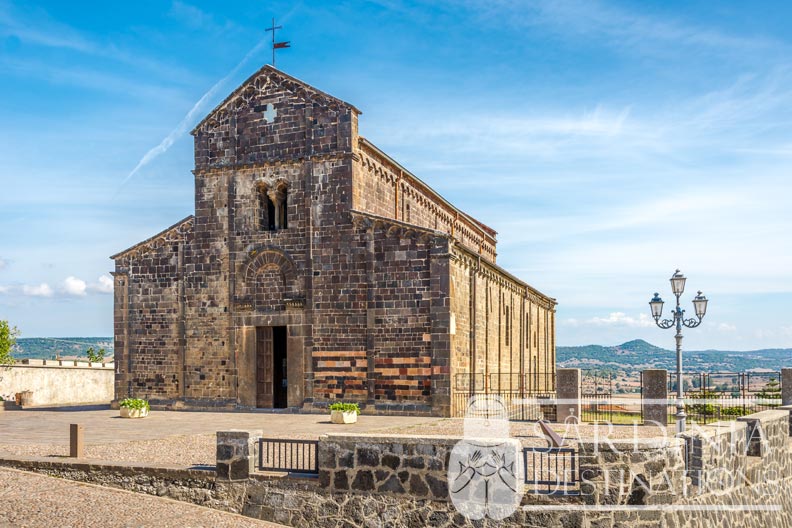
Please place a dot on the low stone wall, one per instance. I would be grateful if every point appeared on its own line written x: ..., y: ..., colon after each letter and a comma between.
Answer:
x: 413, y: 465
x: 197, y: 487
x: 53, y: 382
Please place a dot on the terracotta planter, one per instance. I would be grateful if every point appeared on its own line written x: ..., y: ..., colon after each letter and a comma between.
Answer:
x: 25, y: 398
x: 343, y: 417
x: 133, y: 413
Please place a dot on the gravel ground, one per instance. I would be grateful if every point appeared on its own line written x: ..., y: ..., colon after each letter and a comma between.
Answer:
x: 180, y: 451
x: 32, y: 501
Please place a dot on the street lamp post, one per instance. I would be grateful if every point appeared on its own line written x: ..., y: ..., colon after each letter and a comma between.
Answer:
x: 678, y: 321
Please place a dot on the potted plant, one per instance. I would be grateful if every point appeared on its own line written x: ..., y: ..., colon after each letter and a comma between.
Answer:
x: 344, y: 413
x: 134, y: 408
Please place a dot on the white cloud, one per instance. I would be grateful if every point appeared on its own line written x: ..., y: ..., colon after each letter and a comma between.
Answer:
x: 42, y: 290
x: 74, y: 286
x: 3, y: 264
x: 4, y: 289
x: 726, y: 327
x: 103, y: 284
x: 621, y: 319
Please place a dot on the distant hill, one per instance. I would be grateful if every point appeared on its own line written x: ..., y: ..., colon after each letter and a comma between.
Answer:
x: 50, y: 347
x: 628, y: 358
x: 639, y: 355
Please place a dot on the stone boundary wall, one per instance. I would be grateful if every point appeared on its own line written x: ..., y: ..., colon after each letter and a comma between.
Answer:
x: 188, y: 485
x: 58, y: 382
x: 412, y: 465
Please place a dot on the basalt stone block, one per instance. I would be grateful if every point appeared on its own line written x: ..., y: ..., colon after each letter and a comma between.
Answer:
x: 367, y: 456
x: 391, y: 461
x: 340, y: 480
x: 364, y: 481
x: 225, y: 452
x: 346, y: 460
x: 414, y: 462
x: 392, y: 485
x: 438, y: 487
x: 417, y: 486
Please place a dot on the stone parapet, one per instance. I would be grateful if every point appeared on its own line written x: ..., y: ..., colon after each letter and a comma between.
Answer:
x: 237, y: 454
x: 413, y: 465
x: 654, y: 392
x: 568, y: 394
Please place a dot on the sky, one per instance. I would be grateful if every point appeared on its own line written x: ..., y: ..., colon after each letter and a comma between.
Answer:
x: 608, y: 143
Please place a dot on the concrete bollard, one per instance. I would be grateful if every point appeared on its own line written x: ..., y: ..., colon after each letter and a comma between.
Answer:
x: 786, y: 386
x: 76, y: 443
x: 654, y: 392
x: 568, y: 394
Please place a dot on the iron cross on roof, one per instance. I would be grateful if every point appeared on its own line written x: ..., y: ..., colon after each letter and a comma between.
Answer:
x: 277, y: 45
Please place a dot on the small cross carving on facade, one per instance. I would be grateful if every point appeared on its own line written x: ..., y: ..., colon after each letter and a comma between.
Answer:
x: 270, y: 113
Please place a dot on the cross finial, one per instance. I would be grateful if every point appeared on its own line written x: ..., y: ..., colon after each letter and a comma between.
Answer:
x: 277, y: 45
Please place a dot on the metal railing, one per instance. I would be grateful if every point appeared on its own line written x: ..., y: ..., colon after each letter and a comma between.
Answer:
x: 294, y: 456
x: 519, y: 406
x: 495, y: 382
x: 717, y: 396
x: 551, y: 470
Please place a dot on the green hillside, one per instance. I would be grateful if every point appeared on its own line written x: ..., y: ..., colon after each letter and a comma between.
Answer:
x: 639, y: 355
x: 51, y: 347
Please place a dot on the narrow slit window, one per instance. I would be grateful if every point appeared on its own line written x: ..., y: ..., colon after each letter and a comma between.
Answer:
x: 508, y: 326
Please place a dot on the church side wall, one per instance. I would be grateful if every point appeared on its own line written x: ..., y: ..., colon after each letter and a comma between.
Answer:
x: 149, y: 306
x: 494, y: 317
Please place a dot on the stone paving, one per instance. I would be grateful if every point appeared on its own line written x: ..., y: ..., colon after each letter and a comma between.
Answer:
x: 51, y: 427
x: 32, y: 501
x: 165, y: 438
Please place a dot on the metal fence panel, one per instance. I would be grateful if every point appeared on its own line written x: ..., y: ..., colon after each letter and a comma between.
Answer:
x: 294, y: 456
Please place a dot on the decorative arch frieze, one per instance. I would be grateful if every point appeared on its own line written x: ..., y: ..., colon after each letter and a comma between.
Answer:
x: 268, y: 272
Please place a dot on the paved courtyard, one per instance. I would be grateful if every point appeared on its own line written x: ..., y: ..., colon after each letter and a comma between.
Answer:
x: 31, y: 501
x: 51, y: 427
x: 164, y: 438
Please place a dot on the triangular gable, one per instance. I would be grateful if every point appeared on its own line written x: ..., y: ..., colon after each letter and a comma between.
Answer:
x: 173, y: 232
x: 285, y: 81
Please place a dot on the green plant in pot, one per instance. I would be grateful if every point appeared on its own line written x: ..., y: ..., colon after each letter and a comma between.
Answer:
x: 344, y: 413
x: 134, y: 408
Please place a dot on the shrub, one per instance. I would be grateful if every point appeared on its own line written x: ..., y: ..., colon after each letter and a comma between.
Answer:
x: 734, y: 411
x: 135, y: 403
x: 94, y: 356
x: 8, y: 335
x: 345, y: 407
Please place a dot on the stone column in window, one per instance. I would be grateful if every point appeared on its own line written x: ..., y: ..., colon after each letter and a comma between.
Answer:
x: 277, y: 196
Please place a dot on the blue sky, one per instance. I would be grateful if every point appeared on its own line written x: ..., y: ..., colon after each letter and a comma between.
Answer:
x: 607, y: 142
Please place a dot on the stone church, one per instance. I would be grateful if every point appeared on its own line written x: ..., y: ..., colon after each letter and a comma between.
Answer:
x: 317, y: 269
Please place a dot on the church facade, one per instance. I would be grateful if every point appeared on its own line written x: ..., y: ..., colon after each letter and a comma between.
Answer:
x: 317, y: 269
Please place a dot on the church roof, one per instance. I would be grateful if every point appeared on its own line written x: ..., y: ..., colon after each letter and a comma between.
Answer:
x: 174, y: 229
x: 285, y: 78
